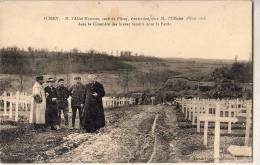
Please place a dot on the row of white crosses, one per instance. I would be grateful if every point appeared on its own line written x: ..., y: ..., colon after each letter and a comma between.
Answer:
x: 109, y: 102
x: 24, y: 100
x: 217, y: 111
x: 20, y: 99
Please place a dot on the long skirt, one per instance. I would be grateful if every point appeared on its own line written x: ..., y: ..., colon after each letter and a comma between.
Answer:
x: 52, y: 116
x: 93, y: 117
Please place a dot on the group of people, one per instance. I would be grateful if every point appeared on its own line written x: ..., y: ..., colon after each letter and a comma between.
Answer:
x: 50, y: 102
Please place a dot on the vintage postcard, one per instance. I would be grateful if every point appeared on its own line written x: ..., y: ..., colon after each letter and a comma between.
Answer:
x: 126, y: 81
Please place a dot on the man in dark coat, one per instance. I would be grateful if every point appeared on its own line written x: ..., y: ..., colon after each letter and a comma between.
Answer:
x: 77, y: 92
x: 93, y: 115
x: 62, y: 101
x: 51, y: 115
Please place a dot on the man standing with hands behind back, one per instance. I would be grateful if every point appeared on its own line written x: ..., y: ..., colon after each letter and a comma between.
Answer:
x: 77, y: 92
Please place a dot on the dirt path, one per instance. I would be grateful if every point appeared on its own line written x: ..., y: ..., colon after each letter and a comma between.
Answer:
x: 154, y: 134
x: 141, y: 137
x: 130, y: 140
x: 22, y: 144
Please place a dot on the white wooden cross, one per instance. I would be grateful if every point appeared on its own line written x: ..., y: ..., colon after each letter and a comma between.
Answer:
x: 5, y: 103
x: 10, y: 106
x: 217, y: 121
x: 152, y: 99
x: 17, y: 105
x: 247, y: 115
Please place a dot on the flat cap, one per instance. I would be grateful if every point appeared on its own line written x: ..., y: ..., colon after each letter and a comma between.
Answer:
x: 39, y: 77
x: 77, y: 78
x: 61, y: 79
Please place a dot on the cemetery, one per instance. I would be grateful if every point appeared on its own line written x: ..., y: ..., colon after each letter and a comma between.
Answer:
x: 221, y: 116
x: 187, y: 130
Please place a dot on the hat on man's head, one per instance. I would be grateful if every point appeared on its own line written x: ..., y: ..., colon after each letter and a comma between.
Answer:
x: 77, y: 78
x: 40, y: 77
x: 51, y: 79
x: 61, y: 79
x: 92, y: 76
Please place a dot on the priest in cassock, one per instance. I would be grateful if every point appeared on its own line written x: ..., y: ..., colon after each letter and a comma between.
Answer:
x: 93, y: 117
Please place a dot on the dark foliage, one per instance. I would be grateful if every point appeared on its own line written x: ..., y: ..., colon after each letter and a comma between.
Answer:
x: 16, y: 61
x: 228, y: 81
x: 239, y: 72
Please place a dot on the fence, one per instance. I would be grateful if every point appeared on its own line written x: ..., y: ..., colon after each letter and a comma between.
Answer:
x: 217, y: 111
x: 12, y: 105
x: 109, y: 102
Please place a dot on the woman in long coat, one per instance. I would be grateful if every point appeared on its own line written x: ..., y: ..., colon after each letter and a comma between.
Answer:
x: 37, y: 115
x: 93, y: 115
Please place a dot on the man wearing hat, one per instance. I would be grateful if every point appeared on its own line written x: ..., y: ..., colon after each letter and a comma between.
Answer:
x: 77, y: 92
x: 93, y: 115
x: 62, y: 101
x: 51, y: 115
x: 37, y: 114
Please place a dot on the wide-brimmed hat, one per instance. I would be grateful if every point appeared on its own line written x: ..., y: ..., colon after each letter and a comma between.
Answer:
x: 51, y: 79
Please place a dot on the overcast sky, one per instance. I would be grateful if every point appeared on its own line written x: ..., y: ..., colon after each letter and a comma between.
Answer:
x: 224, y: 34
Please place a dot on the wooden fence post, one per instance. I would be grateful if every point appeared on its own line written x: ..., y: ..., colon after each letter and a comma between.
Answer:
x: 217, y: 134
x: 205, y: 138
x: 194, y: 108
x: 190, y: 109
x: 229, y: 123
x: 16, y: 106
x: 198, y: 121
x: 110, y: 102
x: 5, y: 103
x: 113, y: 101
x: 24, y: 101
x: 187, y: 110
x: 10, y: 106
x: 26, y: 105
x: 198, y: 125
x: 31, y: 111
x: 248, y: 123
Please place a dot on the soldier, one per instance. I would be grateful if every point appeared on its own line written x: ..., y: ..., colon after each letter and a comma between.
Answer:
x: 51, y: 115
x: 39, y: 104
x: 62, y: 101
x: 77, y: 92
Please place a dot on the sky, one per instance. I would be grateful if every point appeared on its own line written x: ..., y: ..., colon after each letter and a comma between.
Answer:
x: 224, y: 34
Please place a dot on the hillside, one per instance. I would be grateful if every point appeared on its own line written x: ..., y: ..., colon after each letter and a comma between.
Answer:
x: 119, y: 74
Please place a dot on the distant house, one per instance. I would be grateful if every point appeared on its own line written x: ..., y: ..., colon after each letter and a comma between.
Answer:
x: 206, y: 85
x: 178, y: 83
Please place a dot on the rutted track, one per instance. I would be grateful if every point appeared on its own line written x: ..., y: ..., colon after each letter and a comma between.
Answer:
x: 131, y: 139
x: 132, y: 134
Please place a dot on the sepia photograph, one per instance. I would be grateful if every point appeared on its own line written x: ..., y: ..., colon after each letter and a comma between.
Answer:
x: 126, y: 81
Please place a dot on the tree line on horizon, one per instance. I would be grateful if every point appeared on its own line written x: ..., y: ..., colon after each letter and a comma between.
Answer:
x: 14, y: 60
